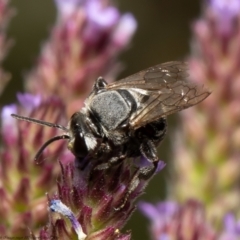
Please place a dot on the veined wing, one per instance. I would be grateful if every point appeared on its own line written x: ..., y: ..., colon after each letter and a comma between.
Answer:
x: 160, y: 90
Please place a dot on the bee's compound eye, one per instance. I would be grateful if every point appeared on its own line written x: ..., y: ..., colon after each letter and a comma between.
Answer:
x: 74, y: 119
x: 78, y: 146
x: 76, y: 123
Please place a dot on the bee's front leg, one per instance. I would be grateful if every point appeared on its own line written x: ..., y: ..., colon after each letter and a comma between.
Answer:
x: 112, y: 161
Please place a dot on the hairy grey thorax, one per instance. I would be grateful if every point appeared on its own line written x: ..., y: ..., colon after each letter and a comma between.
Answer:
x: 110, y: 108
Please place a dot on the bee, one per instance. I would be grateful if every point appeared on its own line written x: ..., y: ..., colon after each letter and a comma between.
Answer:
x: 127, y: 118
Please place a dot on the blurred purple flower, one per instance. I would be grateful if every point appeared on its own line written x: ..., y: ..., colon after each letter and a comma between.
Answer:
x: 83, y: 46
x: 207, y: 149
x: 170, y: 220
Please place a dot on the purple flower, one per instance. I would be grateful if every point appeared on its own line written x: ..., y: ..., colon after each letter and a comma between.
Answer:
x: 93, y: 196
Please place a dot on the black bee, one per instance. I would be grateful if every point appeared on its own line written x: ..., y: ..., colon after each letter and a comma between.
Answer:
x: 127, y: 118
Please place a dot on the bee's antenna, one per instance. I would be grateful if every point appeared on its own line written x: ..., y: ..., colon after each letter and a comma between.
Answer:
x: 40, y: 151
x: 40, y: 122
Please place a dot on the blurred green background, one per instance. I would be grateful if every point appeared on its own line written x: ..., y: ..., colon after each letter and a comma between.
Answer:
x: 163, y: 34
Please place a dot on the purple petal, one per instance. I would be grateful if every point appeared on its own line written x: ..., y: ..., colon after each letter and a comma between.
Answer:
x: 100, y: 15
x: 164, y: 236
x: 232, y: 227
x: 58, y: 206
x: 229, y: 222
x: 141, y: 162
x: 226, y: 8
x: 149, y: 210
x: 29, y: 101
x: 167, y: 208
x: 124, y: 30
x: 67, y: 7
x: 161, y: 165
x: 226, y: 11
x: 9, y: 126
x: 237, y: 228
x: 6, y: 115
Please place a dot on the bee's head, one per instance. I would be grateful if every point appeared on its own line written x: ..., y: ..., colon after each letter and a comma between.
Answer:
x: 81, y: 141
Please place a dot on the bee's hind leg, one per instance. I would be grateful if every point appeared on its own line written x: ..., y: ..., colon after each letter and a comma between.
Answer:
x: 142, y: 173
x: 149, y: 151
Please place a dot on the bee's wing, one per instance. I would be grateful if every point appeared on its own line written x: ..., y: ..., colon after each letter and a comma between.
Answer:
x: 160, y: 91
